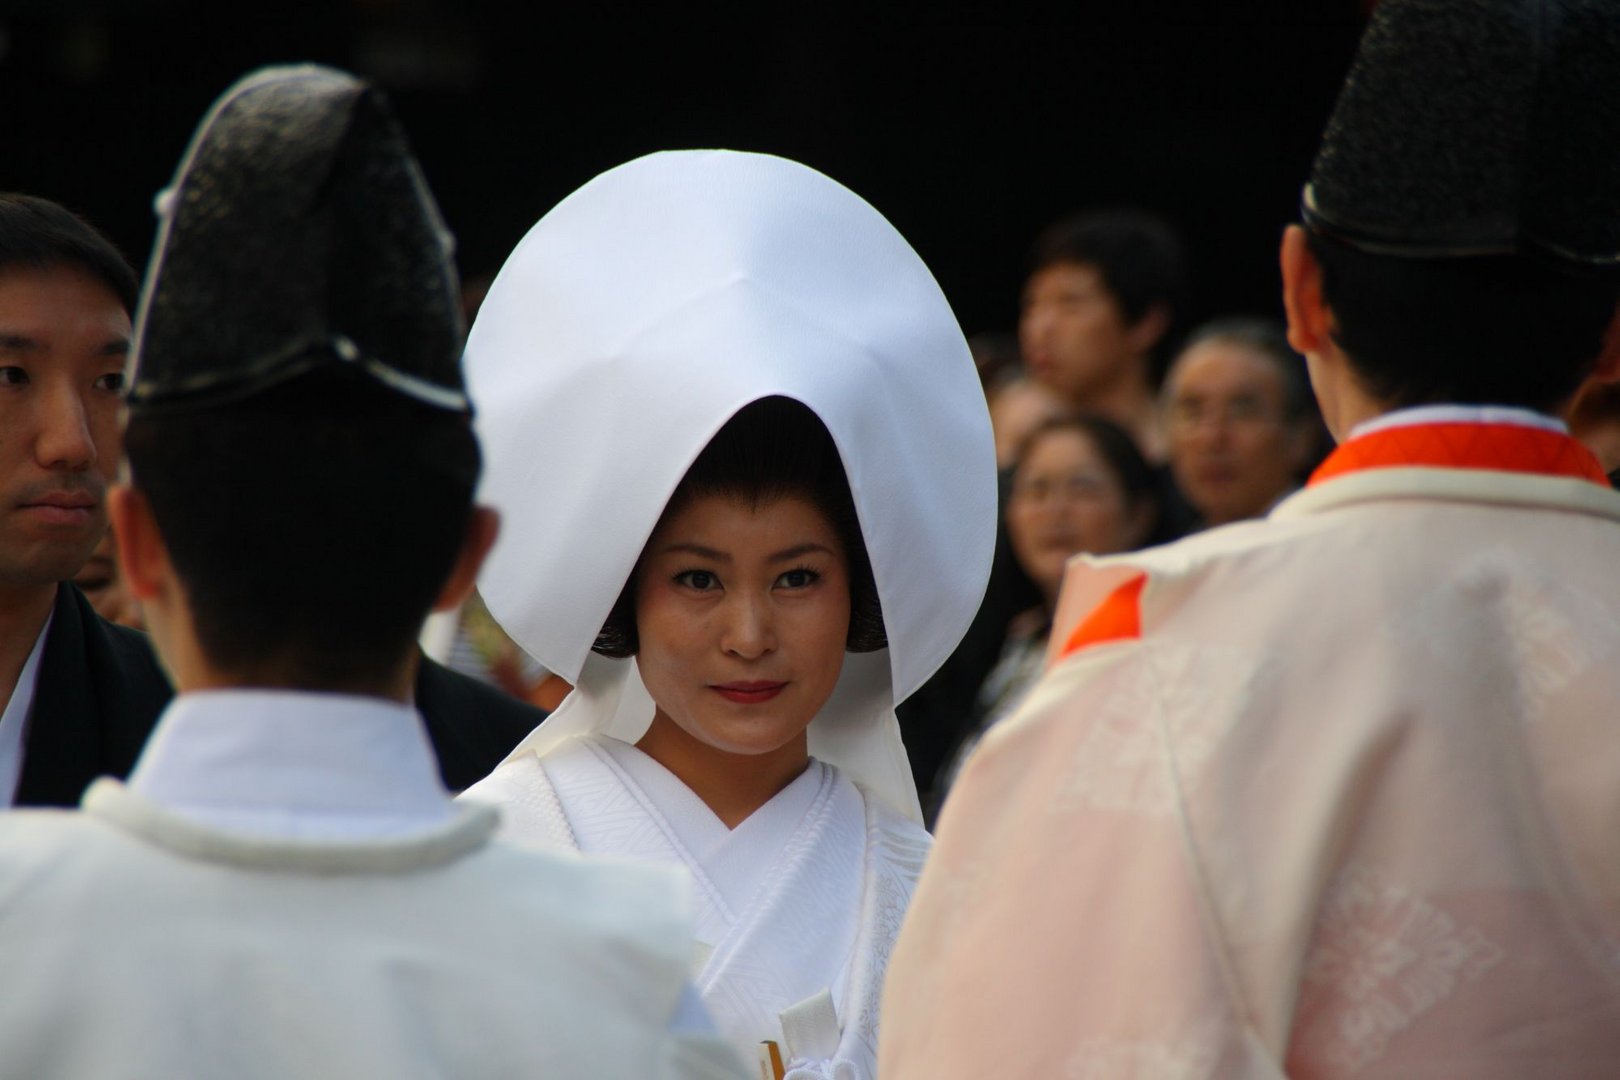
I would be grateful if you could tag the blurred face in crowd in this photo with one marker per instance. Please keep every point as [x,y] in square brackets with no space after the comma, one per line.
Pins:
[742,611]
[63,339]
[1016,409]
[1234,450]
[1073,335]
[1065,499]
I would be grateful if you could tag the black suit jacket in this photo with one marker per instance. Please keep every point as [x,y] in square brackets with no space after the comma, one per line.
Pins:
[100,691]
[97,695]
[472,725]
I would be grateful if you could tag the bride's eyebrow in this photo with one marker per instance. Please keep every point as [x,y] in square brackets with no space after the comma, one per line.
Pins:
[799,551]
[695,549]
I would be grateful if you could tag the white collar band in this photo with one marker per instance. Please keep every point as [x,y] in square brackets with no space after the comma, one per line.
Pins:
[1459,414]
[293,765]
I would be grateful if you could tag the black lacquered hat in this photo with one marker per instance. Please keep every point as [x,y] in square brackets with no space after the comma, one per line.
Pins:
[1477,127]
[298,233]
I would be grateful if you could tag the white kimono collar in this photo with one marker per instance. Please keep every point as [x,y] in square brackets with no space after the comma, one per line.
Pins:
[1459,414]
[294,765]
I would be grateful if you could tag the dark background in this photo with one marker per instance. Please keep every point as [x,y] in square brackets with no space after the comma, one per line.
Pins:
[969,133]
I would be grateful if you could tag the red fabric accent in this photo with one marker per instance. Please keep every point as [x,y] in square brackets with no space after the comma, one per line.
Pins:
[1498,447]
[1117,618]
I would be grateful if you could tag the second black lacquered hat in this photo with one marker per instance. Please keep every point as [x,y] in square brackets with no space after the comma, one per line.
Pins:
[1477,127]
[298,233]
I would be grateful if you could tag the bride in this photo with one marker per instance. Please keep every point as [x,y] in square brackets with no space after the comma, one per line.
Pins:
[748,493]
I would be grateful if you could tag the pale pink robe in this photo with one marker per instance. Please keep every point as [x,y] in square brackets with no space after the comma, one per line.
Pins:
[1349,807]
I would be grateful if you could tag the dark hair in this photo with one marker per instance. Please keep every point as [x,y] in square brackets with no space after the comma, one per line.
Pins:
[1485,330]
[313,524]
[771,448]
[1119,452]
[1267,338]
[38,234]
[1138,255]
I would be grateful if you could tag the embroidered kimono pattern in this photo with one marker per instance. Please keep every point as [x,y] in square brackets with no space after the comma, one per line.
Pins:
[810,903]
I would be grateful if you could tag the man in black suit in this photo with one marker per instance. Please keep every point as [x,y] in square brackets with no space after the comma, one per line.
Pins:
[79,695]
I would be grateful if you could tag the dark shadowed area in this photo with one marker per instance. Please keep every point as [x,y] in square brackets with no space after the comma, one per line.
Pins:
[969,134]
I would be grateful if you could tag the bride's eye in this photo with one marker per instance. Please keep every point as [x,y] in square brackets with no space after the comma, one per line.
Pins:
[702,580]
[798,578]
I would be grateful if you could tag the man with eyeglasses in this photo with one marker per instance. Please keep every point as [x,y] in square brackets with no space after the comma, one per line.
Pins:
[1239,419]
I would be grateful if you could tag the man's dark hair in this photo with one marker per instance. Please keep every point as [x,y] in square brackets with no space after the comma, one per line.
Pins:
[1138,255]
[38,234]
[1267,338]
[771,448]
[312,525]
[1485,330]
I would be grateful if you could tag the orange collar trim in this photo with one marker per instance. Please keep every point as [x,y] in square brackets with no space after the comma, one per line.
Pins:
[1117,618]
[1498,447]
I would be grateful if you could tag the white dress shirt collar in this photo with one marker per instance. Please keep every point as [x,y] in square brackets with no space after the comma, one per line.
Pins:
[1460,414]
[294,765]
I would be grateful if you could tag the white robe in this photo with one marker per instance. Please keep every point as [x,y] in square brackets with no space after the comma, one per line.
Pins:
[1347,806]
[284,889]
[803,897]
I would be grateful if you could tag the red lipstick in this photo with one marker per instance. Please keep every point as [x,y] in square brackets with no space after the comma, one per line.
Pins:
[748,693]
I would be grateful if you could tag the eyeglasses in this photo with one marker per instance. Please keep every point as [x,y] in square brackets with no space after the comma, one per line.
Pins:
[1237,412]
[1073,488]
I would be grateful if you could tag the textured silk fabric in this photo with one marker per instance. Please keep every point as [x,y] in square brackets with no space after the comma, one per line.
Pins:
[1345,809]
[820,912]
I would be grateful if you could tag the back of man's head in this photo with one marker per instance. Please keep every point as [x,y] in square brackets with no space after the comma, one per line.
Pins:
[1464,213]
[1489,330]
[298,423]
[312,525]
[37,234]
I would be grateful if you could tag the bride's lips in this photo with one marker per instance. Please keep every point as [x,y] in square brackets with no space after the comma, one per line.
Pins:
[748,693]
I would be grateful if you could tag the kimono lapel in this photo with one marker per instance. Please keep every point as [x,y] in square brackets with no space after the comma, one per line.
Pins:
[98,695]
[610,814]
[796,937]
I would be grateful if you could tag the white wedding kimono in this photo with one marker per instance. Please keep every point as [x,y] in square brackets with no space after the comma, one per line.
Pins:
[802,899]
[1333,794]
[632,322]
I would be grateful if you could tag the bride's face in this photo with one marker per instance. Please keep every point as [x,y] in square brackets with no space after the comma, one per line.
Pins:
[743,614]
